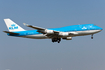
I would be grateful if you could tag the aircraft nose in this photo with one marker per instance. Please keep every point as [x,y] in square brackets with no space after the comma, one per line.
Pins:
[99,28]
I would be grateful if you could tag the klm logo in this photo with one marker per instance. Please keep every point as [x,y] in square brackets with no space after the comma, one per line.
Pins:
[13,26]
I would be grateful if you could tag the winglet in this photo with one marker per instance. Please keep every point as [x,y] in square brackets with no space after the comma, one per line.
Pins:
[25,24]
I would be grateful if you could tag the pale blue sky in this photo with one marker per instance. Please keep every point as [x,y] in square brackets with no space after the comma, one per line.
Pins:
[81,53]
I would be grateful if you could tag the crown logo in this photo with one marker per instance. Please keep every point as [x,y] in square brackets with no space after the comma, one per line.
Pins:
[84,28]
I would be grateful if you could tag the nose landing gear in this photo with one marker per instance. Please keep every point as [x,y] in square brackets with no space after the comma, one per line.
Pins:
[92,36]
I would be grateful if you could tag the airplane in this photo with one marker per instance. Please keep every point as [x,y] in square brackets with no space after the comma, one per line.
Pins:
[55,34]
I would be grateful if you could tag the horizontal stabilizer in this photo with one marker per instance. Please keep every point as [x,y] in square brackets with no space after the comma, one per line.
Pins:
[10,32]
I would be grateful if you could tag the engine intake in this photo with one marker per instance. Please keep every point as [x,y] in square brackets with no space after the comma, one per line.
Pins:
[49,31]
[67,38]
[64,34]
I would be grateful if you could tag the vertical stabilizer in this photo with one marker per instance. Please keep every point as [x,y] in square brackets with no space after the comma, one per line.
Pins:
[12,26]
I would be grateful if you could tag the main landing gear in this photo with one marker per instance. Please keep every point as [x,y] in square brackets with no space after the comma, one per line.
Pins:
[92,36]
[56,40]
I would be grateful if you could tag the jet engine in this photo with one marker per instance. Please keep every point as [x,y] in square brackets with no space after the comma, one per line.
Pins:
[49,31]
[67,38]
[64,34]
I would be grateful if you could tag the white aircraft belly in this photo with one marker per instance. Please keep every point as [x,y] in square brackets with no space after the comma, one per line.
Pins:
[77,33]
[88,32]
[38,36]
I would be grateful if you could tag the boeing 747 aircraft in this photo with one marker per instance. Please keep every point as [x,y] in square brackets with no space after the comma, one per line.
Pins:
[55,34]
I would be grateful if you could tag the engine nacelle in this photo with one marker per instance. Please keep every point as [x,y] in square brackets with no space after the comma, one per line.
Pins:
[49,31]
[67,38]
[64,34]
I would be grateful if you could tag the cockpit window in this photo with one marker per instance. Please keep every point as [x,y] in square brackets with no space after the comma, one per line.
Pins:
[94,25]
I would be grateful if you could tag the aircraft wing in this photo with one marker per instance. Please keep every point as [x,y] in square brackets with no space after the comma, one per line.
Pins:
[35,27]
[49,33]
[40,29]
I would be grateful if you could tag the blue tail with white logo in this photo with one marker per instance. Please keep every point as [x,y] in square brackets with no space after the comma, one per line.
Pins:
[12,26]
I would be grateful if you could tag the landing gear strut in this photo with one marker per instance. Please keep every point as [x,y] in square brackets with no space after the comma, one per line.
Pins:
[56,40]
[92,36]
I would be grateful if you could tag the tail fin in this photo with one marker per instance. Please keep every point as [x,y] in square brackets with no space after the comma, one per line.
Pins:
[12,26]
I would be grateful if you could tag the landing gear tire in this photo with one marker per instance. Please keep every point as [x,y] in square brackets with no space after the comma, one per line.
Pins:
[56,40]
[53,40]
[59,39]
[92,37]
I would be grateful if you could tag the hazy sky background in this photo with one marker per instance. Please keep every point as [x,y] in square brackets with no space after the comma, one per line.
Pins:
[81,53]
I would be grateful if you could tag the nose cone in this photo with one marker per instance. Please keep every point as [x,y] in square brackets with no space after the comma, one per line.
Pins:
[100,28]
[97,28]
